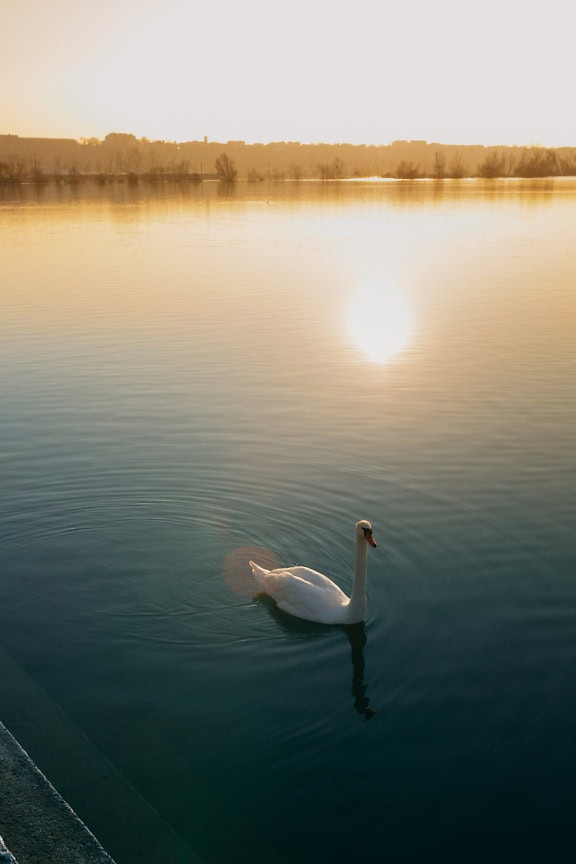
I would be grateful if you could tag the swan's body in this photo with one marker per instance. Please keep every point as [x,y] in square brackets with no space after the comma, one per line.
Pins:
[308,594]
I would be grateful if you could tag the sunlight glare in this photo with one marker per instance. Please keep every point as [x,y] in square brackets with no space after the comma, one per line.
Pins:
[379,321]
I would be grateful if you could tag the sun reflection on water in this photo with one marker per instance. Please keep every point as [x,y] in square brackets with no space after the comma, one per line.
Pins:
[379,321]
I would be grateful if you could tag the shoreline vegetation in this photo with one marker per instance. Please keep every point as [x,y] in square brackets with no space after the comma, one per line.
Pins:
[121,157]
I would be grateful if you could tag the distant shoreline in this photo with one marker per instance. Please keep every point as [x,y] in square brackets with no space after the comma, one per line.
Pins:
[124,157]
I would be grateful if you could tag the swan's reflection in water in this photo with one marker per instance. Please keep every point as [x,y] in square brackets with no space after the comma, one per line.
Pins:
[357,637]
[356,634]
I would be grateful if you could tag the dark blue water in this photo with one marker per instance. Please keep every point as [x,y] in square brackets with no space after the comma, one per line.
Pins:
[186,383]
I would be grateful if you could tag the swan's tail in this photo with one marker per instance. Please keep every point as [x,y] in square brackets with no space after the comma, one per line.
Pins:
[259,573]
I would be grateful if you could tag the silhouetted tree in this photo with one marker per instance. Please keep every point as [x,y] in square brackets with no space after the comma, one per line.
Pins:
[537,162]
[333,170]
[225,168]
[133,159]
[456,169]
[153,161]
[567,165]
[407,170]
[337,169]
[494,165]
[37,174]
[181,170]
[12,172]
[294,171]
[119,139]
[439,167]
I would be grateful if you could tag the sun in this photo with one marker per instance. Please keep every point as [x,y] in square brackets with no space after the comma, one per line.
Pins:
[379,321]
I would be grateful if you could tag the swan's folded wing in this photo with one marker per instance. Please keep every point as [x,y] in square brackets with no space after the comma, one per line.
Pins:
[303,598]
[314,578]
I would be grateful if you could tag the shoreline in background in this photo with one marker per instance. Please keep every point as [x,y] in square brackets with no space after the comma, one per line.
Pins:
[121,155]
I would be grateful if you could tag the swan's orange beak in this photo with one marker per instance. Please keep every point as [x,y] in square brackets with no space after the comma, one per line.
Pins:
[370,539]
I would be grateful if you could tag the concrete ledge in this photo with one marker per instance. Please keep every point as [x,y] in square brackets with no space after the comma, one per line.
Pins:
[35,820]
[126,825]
[6,856]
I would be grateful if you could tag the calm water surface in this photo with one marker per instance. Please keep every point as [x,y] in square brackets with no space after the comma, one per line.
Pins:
[193,377]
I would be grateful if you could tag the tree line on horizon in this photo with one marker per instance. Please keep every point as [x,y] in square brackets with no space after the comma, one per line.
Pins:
[123,156]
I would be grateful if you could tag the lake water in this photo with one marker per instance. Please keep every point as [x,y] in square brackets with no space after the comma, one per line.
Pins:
[191,377]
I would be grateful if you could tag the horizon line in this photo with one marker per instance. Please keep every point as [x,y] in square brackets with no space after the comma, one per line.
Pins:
[247,143]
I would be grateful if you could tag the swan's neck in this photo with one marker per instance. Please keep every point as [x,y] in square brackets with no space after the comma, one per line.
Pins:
[357,606]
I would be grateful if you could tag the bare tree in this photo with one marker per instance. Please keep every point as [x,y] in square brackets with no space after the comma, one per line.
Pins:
[494,165]
[226,169]
[439,166]
[567,164]
[133,159]
[37,173]
[407,170]
[331,170]
[337,169]
[12,172]
[457,169]
[152,160]
[294,171]
[537,162]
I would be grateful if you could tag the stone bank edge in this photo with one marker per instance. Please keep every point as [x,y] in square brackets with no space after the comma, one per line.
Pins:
[38,824]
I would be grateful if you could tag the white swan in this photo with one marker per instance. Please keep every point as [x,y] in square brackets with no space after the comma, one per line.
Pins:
[308,594]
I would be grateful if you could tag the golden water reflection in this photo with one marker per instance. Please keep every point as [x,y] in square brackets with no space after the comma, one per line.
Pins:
[379,320]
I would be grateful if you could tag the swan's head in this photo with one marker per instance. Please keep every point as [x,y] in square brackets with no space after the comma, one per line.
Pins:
[364,531]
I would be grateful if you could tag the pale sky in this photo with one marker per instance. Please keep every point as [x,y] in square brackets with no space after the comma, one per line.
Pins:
[368,71]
